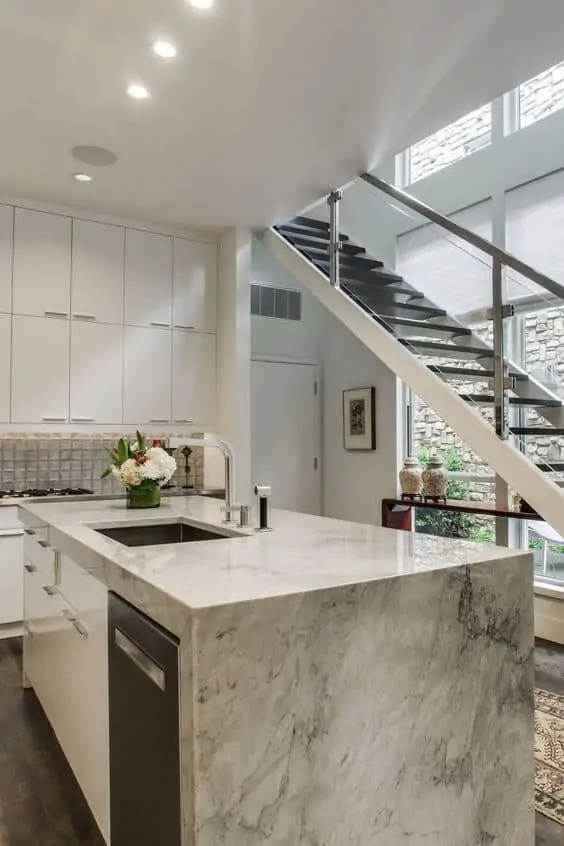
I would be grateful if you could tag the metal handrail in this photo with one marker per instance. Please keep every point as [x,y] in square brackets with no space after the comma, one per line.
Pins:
[466,235]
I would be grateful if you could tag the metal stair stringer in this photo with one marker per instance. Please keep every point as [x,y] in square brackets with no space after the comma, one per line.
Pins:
[514,467]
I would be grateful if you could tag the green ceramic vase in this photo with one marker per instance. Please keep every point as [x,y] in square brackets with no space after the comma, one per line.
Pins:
[143,497]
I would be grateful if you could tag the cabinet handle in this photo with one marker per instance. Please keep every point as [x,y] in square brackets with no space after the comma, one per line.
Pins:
[29,531]
[44,544]
[73,619]
[79,316]
[160,323]
[159,420]
[139,657]
[30,568]
[47,419]
[27,630]
[82,419]
[183,420]
[59,314]
[50,590]
[182,326]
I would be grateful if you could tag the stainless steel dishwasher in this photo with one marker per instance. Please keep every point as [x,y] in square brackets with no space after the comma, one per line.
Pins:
[145,801]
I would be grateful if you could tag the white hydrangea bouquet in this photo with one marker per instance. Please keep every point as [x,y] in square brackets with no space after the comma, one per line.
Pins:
[142,470]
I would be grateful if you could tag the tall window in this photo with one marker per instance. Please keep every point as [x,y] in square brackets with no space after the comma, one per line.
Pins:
[456,141]
[541,96]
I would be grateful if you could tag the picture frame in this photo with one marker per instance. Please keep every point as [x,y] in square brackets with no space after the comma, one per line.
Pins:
[359,419]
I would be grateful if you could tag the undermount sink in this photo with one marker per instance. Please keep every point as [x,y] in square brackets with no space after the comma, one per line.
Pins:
[155,534]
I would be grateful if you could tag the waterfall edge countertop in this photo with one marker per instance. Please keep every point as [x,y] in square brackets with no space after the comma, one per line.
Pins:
[303,552]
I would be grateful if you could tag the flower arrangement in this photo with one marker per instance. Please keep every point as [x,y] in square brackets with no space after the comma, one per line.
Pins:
[141,469]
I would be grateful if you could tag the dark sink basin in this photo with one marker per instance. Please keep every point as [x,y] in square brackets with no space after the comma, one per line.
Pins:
[159,533]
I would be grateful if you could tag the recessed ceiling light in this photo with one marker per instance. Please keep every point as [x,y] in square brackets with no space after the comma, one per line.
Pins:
[164,49]
[138,92]
[82,177]
[91,155]
[201,4]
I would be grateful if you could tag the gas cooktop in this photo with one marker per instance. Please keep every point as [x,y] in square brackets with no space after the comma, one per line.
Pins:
[33,492]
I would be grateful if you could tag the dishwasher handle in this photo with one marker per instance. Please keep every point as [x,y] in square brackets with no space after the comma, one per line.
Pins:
[140,658]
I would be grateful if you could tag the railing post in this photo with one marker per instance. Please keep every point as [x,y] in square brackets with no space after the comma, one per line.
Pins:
[333,201]
[500,396]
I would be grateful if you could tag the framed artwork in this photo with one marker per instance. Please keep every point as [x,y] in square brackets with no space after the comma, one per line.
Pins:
[359,418]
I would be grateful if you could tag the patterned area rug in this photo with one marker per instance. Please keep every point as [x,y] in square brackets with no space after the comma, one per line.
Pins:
[549,754]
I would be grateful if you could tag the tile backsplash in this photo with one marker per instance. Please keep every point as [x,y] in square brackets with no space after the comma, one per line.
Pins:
[71,461]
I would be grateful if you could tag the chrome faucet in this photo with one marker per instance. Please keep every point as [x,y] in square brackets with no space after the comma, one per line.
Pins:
[229,468]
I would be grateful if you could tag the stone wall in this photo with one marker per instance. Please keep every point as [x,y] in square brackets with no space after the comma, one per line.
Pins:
[544,343]
[542,95]
[454,142]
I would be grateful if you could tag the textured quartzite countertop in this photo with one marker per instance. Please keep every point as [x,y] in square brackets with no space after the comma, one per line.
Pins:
[303,552]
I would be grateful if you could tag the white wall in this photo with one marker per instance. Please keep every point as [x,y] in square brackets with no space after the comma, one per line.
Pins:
[352,483]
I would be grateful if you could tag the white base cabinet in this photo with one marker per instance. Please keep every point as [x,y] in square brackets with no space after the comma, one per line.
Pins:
[66,663]
[11,570]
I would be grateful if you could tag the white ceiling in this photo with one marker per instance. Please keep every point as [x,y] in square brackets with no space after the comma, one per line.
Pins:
[269,104]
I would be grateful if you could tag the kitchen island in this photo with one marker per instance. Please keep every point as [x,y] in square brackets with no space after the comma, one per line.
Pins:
[338,683]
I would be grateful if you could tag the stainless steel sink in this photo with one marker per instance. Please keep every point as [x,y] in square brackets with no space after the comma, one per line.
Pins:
[155,534]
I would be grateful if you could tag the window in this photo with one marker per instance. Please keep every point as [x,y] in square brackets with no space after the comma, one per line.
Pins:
[541,96]
[456,141]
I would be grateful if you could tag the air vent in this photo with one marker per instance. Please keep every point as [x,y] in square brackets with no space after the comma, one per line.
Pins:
[280,303]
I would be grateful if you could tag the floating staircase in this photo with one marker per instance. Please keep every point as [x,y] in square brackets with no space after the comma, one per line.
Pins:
[452,352]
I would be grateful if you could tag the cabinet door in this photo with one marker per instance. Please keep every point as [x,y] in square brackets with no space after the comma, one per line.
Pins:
[193,378]
[5,345]
[6,246]
[148,279]
[11,576]
[147,376]
[96,374]
[194,285]
[97,271]
[40,368]
[42,246]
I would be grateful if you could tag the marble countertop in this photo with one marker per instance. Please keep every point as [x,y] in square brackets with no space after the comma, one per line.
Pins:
[303,552]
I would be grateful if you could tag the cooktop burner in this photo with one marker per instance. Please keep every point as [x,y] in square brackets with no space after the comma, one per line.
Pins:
[31,492]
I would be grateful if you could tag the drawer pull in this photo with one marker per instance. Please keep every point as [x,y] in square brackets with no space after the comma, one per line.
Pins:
[44,544]
[78,316]
[30,568]
[29,531]
[50,590]
[47,419]
[140,658]
[73,619]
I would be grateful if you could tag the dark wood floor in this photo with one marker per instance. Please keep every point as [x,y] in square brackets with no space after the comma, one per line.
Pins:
[41,804]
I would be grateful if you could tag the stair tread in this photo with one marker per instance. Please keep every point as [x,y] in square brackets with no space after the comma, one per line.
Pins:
[373,276]
[425,325]
[547,431]
[472,372]
[533,402]
[346,262]
[306,231]
[309,223]
[312,245]
[400,309]
[449,350]
[551,466]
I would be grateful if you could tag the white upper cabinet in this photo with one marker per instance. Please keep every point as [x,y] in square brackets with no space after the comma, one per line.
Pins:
[148,279]
[97,271]
[5,343]
[193,378]
[194,285]
[40,370]
[42,261]
[6,244]
[147,376]
[96,374]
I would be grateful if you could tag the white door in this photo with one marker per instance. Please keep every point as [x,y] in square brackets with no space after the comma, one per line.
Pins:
[148,279]
[96,377]
[193,378]
[194,285]
[147,376]
[285,434]
[40,370]
[97,271]
[42,262]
